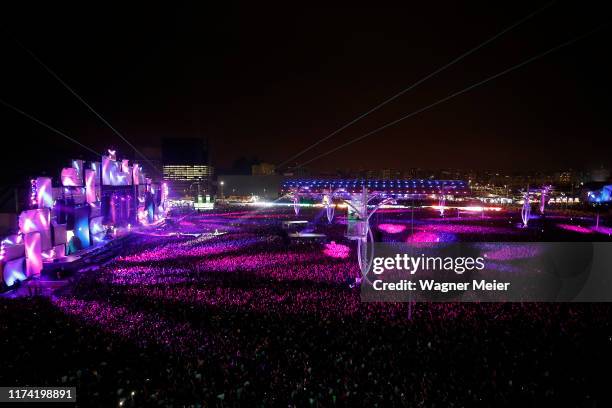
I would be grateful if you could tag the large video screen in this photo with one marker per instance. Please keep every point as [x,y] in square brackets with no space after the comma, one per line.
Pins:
[90,186]
[70,177]
[81,225]
[44,192]
[113,174]
[37,221]
[78,166]
[33,251]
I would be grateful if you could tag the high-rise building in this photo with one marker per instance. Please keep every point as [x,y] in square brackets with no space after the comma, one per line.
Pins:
[186,167]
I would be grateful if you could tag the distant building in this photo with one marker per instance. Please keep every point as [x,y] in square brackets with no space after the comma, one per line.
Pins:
[263,169]
[186,168]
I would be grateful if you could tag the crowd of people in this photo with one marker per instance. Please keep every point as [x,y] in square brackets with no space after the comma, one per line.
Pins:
[247,319]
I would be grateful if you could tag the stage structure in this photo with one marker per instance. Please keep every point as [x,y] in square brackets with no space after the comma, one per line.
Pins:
[329,206]
[526,209]
[601,196]
[297,194]
[397,188]
[91,202]
[296,203]
[544,197]
[360,206]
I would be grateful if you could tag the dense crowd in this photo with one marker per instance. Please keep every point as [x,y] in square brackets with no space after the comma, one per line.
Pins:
[249,319]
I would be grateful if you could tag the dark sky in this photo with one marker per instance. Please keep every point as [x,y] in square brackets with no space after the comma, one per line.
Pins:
[268,81]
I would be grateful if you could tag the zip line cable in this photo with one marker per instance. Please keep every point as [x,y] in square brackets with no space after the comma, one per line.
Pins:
[453,95]
[420,81]
[40,122]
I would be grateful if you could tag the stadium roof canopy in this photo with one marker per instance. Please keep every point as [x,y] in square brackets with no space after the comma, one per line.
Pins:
[392,186]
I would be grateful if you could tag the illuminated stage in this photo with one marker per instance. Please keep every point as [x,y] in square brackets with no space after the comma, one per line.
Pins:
[68,223]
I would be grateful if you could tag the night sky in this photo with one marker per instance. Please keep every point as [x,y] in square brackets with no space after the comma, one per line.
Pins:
[269,81]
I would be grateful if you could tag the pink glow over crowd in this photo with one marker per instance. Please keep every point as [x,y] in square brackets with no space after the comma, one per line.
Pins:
[249,319]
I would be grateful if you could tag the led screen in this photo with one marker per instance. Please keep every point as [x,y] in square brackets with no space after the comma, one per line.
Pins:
[95,167]
[14,271]
[33,252]
[78,166]
[70,177]
[96,229]
[136,174]
[37,221]
[44,192]
[13,247]
[81,225]
[112,174]
[90,186]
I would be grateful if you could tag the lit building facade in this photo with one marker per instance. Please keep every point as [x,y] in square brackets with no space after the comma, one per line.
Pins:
[188,180]
[186,168]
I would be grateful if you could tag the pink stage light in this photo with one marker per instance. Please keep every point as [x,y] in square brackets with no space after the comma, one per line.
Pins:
[575,228]
[337,251]
[423,237]
[392,228]
[603,230]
